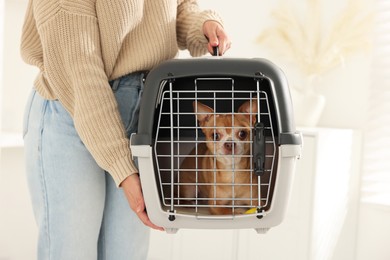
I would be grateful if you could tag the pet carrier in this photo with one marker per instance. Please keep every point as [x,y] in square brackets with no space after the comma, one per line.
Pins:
[216,144]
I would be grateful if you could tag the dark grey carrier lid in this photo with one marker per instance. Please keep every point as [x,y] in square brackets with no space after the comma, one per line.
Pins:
[256,68]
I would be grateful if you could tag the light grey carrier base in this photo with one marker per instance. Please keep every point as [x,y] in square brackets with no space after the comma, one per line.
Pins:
[288,154]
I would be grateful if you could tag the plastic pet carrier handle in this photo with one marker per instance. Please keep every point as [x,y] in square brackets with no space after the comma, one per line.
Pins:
[215,51]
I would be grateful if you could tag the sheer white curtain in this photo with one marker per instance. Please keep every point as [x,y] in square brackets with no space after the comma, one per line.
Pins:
[376,158]
[2,15]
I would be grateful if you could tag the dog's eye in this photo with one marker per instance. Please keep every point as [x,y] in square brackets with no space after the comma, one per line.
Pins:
[242,134]
[216,136]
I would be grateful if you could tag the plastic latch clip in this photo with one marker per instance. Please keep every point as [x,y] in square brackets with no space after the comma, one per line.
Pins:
[259,149]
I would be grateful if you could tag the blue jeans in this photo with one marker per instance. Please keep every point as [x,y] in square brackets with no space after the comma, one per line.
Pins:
[80,212]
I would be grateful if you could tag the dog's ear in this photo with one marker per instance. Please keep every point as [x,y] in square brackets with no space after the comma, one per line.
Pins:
[249,107]
[202,112]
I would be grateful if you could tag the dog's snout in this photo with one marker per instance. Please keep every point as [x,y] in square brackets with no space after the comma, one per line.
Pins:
[229,146]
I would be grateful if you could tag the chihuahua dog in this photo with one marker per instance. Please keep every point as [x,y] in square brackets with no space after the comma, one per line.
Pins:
[217,171]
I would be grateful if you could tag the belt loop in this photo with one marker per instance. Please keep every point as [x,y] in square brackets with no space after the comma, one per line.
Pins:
[143,75]
[115,84]
[142,80]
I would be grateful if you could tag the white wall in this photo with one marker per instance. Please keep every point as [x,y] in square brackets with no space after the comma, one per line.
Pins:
[374,232]
[2,20]
[17,76]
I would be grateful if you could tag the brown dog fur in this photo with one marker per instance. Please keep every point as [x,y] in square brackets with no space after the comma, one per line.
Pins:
[227,155]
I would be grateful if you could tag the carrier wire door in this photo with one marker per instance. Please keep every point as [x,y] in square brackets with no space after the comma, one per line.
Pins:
[217,145]
[178,117]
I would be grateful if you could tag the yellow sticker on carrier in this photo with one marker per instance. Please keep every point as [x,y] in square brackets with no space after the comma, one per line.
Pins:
[251,211]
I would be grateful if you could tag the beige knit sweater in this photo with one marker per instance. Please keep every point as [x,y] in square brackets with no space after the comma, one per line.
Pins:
[80,45]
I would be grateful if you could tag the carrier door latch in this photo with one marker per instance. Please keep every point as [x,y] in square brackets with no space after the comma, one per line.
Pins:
[259,149]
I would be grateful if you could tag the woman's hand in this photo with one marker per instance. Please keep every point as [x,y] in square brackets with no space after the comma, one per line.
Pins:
[216,36]
[132,188]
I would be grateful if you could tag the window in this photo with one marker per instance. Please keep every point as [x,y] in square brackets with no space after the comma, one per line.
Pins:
[376,156]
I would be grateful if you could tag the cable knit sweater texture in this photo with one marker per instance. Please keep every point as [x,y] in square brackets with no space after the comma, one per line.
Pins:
[79,46]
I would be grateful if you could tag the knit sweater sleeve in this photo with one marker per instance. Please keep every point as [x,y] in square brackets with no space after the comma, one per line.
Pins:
[190,21]
[75,71]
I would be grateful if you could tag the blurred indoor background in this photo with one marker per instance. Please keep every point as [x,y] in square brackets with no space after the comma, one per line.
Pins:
[336,56]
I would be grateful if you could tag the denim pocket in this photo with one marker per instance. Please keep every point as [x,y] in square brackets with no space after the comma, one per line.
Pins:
[133,125]
[127,98]
[27,110]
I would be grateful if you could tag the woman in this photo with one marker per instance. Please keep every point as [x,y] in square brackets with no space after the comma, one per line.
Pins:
[91,56]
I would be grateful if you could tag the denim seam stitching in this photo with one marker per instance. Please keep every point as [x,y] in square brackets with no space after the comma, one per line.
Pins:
[27,122]
[103,237]
[43,181]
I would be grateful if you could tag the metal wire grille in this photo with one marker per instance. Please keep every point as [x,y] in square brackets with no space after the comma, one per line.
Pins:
[204,151]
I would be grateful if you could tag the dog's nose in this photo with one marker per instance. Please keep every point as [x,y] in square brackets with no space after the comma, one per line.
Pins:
[229,146]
